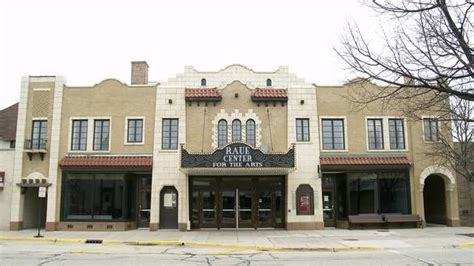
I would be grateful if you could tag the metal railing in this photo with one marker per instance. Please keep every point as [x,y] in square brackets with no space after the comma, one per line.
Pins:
[35,144]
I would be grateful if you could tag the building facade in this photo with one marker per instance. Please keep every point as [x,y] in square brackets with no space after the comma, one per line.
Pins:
[8,118]
[234,148]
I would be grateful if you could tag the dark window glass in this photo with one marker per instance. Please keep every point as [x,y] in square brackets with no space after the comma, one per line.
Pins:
[333,134]
[430,128]
[101,135]
[222,133]
[203,82]
[12,144]
[236,130]
[79,135]
[250,132]
[385,192]
[302,129]
[393,191]
[375,131]
[98,197]
[362,192]
[397,134]
[39,134]
[135,131]
[170,134]
[269,82]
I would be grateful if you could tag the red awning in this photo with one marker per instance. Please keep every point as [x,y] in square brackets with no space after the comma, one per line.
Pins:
[203,94]
[92,161]
[261,93]
[364,160]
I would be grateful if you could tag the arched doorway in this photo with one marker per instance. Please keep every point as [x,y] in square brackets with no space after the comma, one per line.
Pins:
[169,208]
[434,198]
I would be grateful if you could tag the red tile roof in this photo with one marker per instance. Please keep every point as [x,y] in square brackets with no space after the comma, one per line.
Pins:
[106,162]
[8,119]
[365,160]
[202,93]
[267,93]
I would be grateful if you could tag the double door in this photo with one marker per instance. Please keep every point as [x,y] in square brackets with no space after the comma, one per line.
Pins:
[242,204]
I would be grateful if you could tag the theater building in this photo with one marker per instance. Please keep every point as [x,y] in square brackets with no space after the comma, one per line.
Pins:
[234,148]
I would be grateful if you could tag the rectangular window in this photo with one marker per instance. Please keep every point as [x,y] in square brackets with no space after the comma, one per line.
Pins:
[169,140]
[101,135]
[98,197]
[431,127]
[79,135]
[333,134]
[135,131]
[397,134]
[383,192]
[38,134]
[302,129]
[375,132]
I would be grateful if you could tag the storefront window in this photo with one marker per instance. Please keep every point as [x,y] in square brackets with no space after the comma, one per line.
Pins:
[393,193]
[384,192]
[97,197]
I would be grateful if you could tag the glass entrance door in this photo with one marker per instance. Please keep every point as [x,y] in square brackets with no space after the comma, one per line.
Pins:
[245,208]
[144,200]
[265,214]
[328,208]
[228,204]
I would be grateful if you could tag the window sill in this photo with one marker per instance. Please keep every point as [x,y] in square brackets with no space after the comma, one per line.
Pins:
[167,151]
[134,143]
[329,151]
[388,151]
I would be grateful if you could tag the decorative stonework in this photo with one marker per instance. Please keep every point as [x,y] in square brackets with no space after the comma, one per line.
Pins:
[437,170]
[236,114]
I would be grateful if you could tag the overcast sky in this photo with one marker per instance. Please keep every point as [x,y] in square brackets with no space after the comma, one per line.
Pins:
[88,41]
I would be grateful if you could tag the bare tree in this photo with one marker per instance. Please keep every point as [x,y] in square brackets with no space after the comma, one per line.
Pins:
[425,63]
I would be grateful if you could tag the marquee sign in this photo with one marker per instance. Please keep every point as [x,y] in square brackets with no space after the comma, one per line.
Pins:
[238,155]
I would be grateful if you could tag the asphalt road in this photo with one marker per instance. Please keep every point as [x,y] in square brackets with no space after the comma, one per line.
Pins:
[42,253]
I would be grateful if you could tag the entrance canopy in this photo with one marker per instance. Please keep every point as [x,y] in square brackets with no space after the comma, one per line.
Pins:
[237,159]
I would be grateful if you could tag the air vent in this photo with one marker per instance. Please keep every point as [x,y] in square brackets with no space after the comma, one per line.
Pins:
[110,226]
[93,241]
[90,226]
[70,226]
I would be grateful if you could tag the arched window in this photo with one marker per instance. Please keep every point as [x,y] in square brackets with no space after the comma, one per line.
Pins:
[222,133]
[269,82]
[236,130]
[250,132]
[203,82]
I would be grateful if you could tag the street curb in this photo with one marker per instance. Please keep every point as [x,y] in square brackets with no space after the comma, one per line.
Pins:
[466,245]
[199,244]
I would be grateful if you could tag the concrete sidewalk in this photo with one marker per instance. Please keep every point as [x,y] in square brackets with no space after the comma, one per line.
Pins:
[316,240]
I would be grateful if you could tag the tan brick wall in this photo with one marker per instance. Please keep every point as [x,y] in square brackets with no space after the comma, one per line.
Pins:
[200,117]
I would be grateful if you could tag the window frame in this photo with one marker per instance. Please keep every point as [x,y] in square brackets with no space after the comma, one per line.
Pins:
[203,82]
[169,136]
[382,132]
[102,132]
[302,140]
[126,140]
[423,118]
[386,134]
[254,135]
[71,135]
[41,120]
[269,82]
[345,132]
[234,130]
[226,133]
[89,134]
[396,136]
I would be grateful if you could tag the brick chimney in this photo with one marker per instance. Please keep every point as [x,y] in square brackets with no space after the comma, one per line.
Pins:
[139,72]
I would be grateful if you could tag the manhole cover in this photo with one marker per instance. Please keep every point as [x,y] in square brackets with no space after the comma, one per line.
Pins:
[351,239]
[469,235]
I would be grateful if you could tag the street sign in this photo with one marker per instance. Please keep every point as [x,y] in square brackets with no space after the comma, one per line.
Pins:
[42,192]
